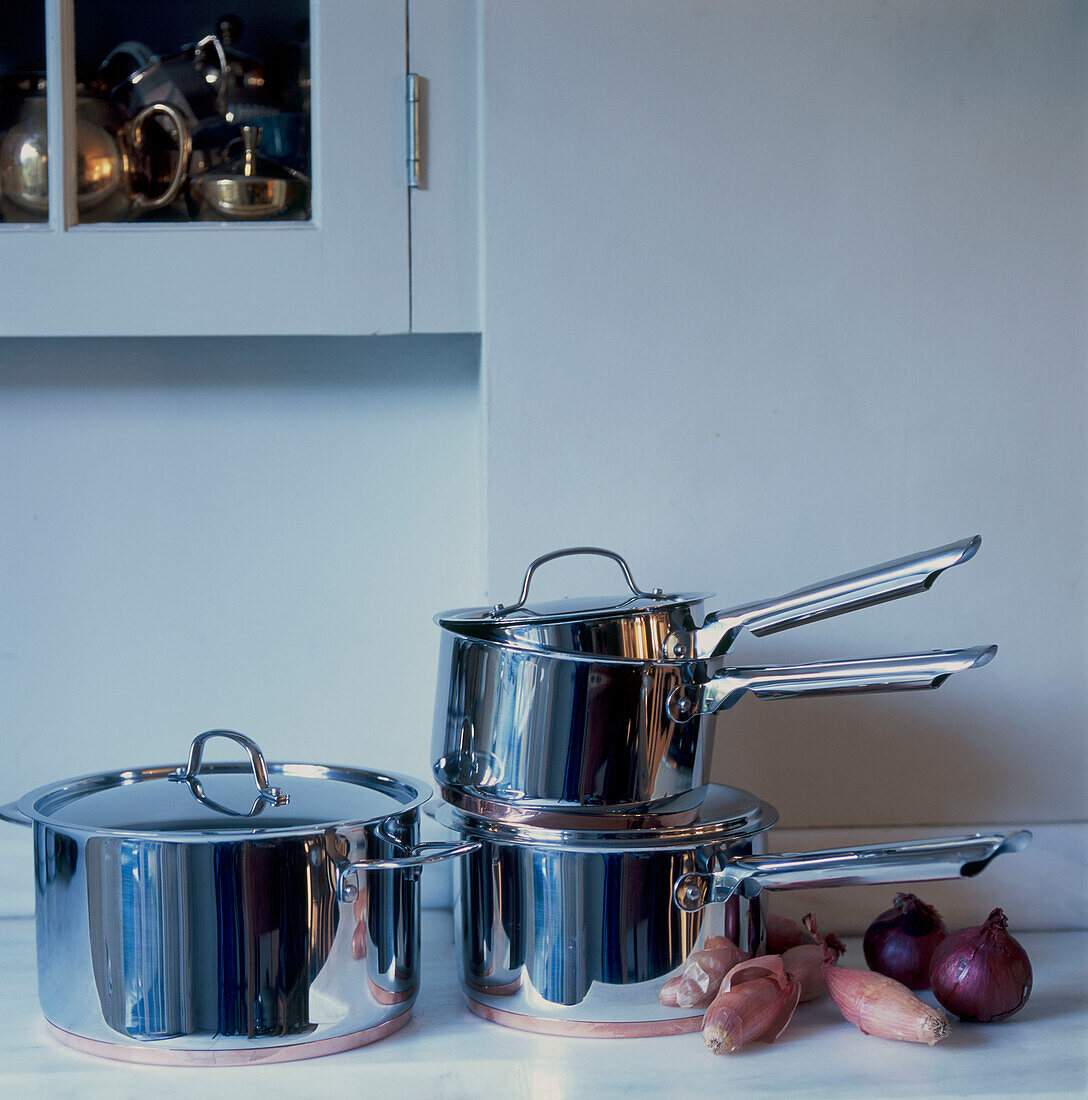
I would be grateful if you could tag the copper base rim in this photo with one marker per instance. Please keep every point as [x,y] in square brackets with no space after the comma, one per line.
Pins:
[508,989]
[587,1029]
[239,1056]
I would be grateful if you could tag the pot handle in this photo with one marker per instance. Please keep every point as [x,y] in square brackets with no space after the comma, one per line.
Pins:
[14,815]
[864,588]
[910,671]
[907,861]
[140,202]
[499,609]
[431,851]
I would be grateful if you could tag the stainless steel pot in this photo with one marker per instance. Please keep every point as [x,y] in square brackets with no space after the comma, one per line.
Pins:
[201,915]
[554,731]
[575,931]
[660,626]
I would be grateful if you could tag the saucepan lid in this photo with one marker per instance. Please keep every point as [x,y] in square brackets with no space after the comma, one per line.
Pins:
[540,613]
[656,625]
[200,800]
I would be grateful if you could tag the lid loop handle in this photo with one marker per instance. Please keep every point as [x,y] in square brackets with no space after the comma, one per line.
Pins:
[266,793]
[569,551]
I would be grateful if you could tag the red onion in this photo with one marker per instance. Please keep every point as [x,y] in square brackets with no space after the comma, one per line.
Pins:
[901,941]
[981,974]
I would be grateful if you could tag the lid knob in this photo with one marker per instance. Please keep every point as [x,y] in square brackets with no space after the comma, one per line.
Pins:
[267,795]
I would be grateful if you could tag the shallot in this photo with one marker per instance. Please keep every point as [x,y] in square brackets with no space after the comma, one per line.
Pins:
[783,933]
[756,1001]
[804,963]
[982,974]
[901,941]
[699,981]
[878,1005]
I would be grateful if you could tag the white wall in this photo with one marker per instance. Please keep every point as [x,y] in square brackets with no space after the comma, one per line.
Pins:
[239,533]
[769,291]
[773,291]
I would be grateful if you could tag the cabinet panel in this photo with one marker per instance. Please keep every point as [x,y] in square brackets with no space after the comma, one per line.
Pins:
[345,271]
[442,48]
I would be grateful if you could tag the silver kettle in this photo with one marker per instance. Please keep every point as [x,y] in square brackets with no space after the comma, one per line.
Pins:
[109,149]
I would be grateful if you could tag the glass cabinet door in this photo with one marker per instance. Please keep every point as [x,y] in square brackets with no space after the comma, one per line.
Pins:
[189,112]
[212,169]
[24,179]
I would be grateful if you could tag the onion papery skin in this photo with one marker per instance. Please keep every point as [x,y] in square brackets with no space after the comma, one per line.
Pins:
[900,943]
[783,933]
[981,974]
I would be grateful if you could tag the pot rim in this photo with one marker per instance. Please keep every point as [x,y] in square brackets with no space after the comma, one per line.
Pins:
[722,817]
[563,656]
[589,609]
[414,792]
[678,809]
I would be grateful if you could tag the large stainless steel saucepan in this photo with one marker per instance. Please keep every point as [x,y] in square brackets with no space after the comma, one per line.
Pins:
[662,626]
[555,731]
[575,931]
[201,915]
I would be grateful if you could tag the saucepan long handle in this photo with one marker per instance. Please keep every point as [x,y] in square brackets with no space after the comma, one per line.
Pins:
[876,584]
[906,861]
[907,672]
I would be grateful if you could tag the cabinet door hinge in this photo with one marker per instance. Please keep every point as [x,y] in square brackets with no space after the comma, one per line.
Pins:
[415,149]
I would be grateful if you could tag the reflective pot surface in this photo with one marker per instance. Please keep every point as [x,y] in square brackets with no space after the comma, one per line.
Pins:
[541,728]
[564,941]
[223,945]
[565,731]
[575,932]
[232,928]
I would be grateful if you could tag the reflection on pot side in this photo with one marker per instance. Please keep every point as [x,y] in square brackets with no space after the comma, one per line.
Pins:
[259,917]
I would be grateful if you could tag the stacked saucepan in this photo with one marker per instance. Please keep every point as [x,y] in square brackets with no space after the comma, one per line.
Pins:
[572,742]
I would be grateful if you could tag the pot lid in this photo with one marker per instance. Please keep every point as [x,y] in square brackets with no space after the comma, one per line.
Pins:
[223,798]
[726,813]
[570,609]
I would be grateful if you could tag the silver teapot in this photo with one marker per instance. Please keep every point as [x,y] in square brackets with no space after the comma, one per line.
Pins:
[109,150]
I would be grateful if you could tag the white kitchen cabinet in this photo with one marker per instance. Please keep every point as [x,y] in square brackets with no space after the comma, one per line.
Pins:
[346,270]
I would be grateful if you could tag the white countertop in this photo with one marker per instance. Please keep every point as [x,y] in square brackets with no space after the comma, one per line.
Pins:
[446,1052]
